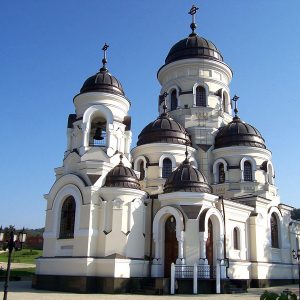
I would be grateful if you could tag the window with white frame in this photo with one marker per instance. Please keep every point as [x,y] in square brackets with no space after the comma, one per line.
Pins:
[248,171]
[166,168]
[236,239]
[67,218]
[274,231]
[200,96]
[174,100]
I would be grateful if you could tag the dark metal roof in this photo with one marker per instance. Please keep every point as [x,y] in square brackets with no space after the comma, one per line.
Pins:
[103,81]
[164,130]
[239,133]
[187,178]
[121,176]
[193,46]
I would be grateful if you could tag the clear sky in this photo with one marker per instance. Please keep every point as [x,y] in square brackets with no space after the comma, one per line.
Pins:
[48,48]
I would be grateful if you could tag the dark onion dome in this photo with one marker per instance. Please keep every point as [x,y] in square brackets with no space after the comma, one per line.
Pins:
[188,179]
[164,130]
[239,133]
[122,177]
[194,46]
[103,81]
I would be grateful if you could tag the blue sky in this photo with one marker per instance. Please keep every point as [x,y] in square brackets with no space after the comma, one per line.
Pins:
[48,48]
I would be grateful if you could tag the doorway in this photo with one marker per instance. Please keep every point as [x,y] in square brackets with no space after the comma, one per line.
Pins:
[210,243]
[171,245]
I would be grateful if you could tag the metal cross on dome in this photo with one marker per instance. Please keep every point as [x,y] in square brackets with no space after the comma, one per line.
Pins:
[104,60]
[193,12]
[235,99]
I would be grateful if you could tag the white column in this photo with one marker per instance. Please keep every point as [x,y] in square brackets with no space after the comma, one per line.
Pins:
[195,279]
[172,279]
[218,278]
[180,240]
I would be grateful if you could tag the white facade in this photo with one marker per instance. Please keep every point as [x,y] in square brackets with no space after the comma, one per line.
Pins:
[120,232]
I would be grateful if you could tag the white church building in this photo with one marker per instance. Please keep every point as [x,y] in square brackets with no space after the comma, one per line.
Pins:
[197,192]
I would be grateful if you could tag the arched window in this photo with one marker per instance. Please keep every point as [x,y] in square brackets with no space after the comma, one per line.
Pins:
[274,231]
[167,168]
[247,171]
[221,173]
[174,101]
[200,96]
[67,219]
[142,170]
[236,242]
[98,132]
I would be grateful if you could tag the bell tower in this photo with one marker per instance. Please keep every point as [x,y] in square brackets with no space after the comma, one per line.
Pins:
[101,122]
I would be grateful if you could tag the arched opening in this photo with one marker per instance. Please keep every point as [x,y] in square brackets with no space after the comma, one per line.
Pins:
[142,170]
[274,231]
[174,100]
[210,243]
[171,245]
[221,173]
[67,218]
[270,174]
[166,168]
[98,132]
[200,96]
[247,171]
[236,239]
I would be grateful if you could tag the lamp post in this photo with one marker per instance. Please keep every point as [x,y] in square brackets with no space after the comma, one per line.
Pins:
[14,240]
[296,255]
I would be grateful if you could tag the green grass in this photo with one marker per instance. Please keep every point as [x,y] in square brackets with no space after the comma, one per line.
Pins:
[26,256]
[26,272]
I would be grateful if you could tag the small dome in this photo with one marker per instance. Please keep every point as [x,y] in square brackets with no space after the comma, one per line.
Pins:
[193,46]
[103,81]
[188,179]
[239,133]
[164,130]
[122,177]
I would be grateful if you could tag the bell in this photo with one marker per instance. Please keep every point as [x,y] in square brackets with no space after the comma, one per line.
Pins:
[98,134]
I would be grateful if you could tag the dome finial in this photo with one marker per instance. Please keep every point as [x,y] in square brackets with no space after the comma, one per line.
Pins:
[186,149]
[164,96]
[104,60]
[121,157]
[235,99]
[193,12]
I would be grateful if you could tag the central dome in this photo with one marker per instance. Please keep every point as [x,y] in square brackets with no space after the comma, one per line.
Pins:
[164,130]
[194,46]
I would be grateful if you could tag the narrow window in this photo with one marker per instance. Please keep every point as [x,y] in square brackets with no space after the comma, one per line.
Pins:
[224,102]
[174,101]
[247,171]
[142,170]
[67,219]
[200,96]
[221,173]
[236,245]
[167,168]
[274,231]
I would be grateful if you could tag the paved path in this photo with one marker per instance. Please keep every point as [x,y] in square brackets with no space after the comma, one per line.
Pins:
[22,290]
[16,265]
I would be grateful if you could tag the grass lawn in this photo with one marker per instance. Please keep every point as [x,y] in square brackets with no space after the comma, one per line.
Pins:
[25,256]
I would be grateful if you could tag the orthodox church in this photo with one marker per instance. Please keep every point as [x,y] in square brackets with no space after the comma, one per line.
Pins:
[197,191]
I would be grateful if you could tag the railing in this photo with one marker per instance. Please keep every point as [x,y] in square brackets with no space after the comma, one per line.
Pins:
[98,143]
[196,272]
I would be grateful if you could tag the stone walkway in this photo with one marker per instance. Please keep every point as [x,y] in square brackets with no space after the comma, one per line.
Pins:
[22,290]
